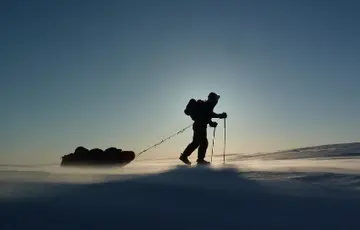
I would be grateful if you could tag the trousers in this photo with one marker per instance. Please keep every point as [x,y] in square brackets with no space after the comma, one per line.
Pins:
[199,141]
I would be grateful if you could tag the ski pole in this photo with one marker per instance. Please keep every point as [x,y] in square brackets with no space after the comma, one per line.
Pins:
[213,143]
[224,141]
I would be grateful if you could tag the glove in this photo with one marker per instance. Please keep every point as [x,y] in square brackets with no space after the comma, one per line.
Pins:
[213,124]
[223,115]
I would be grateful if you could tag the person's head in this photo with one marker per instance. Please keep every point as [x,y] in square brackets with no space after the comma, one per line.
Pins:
[213,98]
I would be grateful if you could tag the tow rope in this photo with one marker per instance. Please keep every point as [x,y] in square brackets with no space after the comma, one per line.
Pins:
[163,140]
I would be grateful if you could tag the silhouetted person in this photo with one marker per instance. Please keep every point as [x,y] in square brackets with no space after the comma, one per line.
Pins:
[202,113]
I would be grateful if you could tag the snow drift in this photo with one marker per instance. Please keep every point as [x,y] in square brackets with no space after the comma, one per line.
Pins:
[161,195]
[195,198]
[343,150]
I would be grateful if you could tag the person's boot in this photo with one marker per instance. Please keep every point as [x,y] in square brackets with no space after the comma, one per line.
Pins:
[185,159]
[202,162]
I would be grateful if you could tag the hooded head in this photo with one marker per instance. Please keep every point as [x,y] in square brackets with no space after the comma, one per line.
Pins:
[213,98]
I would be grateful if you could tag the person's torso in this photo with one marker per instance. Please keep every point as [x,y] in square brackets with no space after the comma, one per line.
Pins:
[204,112]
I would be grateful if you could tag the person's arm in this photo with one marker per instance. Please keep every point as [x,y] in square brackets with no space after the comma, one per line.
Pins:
[213,123]
[215,115]
[210,122]
[221,115]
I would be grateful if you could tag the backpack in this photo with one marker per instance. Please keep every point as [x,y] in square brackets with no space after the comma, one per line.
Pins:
[192,108]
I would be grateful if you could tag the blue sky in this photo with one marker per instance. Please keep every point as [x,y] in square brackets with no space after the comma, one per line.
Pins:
[119,73]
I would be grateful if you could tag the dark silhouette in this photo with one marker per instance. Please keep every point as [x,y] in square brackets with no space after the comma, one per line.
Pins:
[111,156]
[201,112]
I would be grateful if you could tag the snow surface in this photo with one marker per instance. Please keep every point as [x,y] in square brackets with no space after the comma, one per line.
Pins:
[309,188]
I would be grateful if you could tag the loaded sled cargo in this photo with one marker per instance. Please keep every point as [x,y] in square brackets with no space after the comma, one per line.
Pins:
[97,157]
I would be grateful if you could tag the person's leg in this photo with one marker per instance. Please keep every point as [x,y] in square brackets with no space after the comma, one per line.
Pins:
[190,148]
[201,136]
[202,149]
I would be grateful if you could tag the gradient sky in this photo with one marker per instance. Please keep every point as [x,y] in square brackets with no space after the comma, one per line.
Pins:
[119,73]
